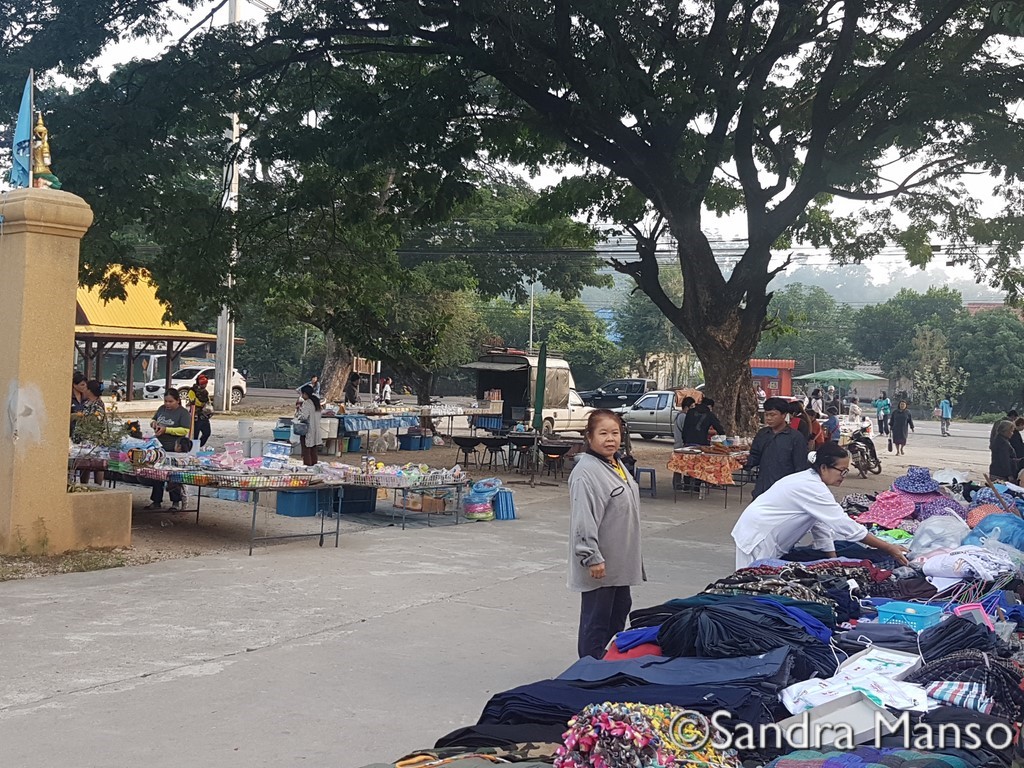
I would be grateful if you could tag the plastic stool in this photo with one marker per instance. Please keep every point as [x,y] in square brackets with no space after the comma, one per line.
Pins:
[653,488]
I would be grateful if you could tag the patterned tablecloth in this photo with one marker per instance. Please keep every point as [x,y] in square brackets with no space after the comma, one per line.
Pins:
[351,423]
[709,467]
[481,421]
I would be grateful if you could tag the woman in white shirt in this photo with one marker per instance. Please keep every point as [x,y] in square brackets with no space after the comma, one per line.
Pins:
[800,504]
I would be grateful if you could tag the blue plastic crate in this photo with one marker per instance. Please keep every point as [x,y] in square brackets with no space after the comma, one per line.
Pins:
[355,444]
[297,503]
[917,617]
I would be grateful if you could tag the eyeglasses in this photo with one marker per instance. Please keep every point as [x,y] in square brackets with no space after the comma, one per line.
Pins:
[842,472]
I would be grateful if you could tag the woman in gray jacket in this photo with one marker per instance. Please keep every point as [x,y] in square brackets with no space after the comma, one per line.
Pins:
[605,559]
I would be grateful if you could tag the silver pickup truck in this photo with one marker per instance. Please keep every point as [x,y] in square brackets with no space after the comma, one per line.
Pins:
[651,416]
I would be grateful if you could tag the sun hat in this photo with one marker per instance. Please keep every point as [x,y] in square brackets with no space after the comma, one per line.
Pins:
[888,510]
[979,513]
[917,480]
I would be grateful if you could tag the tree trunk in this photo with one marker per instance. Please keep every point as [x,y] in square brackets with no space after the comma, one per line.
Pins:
[337,367]
[424,382]
[721,319]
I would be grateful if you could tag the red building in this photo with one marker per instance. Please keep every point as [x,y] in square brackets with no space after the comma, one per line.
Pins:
[775,376]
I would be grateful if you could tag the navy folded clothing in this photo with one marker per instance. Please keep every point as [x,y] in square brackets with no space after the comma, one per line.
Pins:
[895,637]
[745,627]
[772,669]
[659,614]
[556,701]
[503,735]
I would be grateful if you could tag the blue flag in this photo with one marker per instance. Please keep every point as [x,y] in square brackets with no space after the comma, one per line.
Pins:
[22,150]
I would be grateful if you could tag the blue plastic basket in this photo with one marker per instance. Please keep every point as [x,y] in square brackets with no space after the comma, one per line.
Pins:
[913,615]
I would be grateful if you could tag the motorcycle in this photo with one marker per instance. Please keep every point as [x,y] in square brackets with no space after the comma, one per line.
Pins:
[118,389]
[863,455]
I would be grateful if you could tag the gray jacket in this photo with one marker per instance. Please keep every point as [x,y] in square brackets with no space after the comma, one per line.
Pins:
[604,526]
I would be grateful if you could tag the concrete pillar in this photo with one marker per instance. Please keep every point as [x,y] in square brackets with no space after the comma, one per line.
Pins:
[39,243]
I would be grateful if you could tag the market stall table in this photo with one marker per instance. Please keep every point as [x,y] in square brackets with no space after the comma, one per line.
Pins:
[360,423]
[716,469]
[253,484]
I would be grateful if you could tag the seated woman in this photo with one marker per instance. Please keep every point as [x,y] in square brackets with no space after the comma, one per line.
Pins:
[800,504]
[171,424]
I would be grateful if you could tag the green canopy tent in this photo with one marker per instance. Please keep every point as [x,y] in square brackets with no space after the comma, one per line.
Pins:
[838,376]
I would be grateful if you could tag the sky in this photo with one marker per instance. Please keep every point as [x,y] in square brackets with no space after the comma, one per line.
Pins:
[883,270]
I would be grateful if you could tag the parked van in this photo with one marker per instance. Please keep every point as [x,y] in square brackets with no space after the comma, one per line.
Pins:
[514,372]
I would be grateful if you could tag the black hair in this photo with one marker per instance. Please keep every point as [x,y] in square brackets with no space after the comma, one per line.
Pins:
[833,411]
[353,376]
[828,455]
[182,445]
[708,402]
[688,402]
[1012,415]
[776,404]
[795,408]
[173,393]
[77,378]
[94,387]
[308,391]
[603,413]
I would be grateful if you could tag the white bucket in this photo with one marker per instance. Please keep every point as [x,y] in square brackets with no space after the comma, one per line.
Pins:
[246,429]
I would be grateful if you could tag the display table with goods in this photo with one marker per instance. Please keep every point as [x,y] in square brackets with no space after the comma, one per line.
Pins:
[721,464]
[230,476]
[803,662]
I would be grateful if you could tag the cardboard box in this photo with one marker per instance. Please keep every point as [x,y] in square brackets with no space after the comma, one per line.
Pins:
[853,714]
[897,665]
[413,502]
[435,505]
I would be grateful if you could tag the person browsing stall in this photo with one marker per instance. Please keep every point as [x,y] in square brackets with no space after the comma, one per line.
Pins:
[699,423]
[171,424]
[799,504]
[309,414]
[94,409]
[1004,464]
[78,400]
[777,450]
[201,410]
[605,557]
[677,435]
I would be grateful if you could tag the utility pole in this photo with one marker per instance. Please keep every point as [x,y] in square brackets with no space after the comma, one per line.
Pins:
[225,324]
[533,286]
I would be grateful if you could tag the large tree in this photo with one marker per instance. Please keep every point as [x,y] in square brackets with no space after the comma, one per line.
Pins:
[775,108]
[990,346]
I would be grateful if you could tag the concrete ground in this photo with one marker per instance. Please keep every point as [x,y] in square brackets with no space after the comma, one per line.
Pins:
[340,657]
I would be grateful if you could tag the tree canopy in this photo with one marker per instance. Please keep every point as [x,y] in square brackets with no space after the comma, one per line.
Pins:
[808,325]
[670,109]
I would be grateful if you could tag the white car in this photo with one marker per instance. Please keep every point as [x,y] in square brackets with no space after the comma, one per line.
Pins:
[183,379]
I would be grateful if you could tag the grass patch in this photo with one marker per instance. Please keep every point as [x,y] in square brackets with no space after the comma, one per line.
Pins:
[25,567]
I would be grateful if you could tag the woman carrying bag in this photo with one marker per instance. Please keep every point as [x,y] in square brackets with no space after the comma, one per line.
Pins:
[307,425]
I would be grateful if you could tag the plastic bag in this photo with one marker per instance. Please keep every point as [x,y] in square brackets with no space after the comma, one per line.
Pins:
[1006,529]
[941,532]
[487,487]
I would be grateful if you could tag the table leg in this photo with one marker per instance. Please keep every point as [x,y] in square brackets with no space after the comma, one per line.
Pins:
[323,515]
[252,531]
[337,525]
[199,501]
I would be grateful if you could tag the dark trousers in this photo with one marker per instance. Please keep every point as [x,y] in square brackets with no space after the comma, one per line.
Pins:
[603,614]
[883,425]
[157,494]
[201,431]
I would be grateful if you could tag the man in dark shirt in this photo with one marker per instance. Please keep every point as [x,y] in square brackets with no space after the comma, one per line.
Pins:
[699,422]
[777,450]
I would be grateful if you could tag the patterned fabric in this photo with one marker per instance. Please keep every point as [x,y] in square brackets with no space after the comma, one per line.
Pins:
[888,510]
[940,507]
[917,480]
[966,695]
[1000,678]
[366,423]
[856,502]
[980,512]
[806,581]
[619,735]
[708,467]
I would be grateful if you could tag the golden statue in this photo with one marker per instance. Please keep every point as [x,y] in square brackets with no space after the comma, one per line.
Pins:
[42,176]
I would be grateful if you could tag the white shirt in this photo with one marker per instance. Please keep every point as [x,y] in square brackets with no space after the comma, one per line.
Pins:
[797,504]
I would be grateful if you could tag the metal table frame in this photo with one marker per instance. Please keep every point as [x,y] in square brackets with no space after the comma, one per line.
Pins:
[458,487]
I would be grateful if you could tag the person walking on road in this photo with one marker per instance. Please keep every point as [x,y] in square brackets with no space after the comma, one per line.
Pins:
[945,414]
[883,409]
[900,422]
